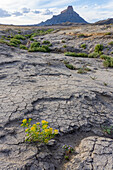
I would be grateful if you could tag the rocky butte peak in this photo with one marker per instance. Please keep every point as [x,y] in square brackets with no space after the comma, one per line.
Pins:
[67,15]
[69,10]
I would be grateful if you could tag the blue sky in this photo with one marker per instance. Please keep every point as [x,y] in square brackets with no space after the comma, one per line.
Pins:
[34,11]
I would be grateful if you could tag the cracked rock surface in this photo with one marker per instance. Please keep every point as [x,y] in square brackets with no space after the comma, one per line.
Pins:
[41,87]
[94,153]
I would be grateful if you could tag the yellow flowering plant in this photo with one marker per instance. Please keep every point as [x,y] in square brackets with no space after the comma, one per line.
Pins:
[39,132]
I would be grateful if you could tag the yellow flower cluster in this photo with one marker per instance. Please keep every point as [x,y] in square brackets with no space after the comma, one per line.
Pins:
[33,128]
[38,132]
[24,121]
[44,122]
[56,131]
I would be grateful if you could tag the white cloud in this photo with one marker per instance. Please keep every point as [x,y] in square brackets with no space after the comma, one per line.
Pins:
[4,13]
[36,11]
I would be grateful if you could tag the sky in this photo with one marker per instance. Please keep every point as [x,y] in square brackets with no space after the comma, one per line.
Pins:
[26,12]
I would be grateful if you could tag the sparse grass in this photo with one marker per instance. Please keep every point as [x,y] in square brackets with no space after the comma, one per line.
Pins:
[66,62]
[105,84]
[93,55]
[46,42]
[64,46]
[23,47]
[108,33]
[63,41]
[4,42]
[111,43]
[93,78]
[41,32]
[81,71]
[87,69]
[73,54]
[108,130]
[70,66]
[15,41]
[31,39]
[81,35]
[83,46]
[108,62]
[105,57]
[39,49]
[99,48]
[49,45]
[35,44]
[20,37]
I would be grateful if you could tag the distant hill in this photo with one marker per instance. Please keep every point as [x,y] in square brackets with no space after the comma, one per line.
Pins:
[68,15]
[107,21]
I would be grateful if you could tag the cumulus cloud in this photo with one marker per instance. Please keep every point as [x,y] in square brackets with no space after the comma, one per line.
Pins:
[36,12]
[4,13]
[47,12]
[17,14]
[25,10]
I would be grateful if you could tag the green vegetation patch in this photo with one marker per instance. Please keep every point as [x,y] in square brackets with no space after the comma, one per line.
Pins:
[46,42]
[4,42]
[20,37]
[35,44]
[111,43]
[15,41]
[73,54]
[83,46]
[108,61]
[23,47]
[39,49]
[93,55]
[99,48]
[81,35]
[70,66]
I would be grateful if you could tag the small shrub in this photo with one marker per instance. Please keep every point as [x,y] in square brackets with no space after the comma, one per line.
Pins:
[108,33]
[81,71]
[105,84]
[108,62]
[23,47]
[108,130]
[81,35]
[66,62]
[35,44]
[82,55]
[39,49]
[70,66]
[28,35]
[64,46]
[99,48]
[104,57]
[20,37]
[87,69]
[39,132]
[93,55]
[111,43]
[31,39]
[46,42]
[49,45]
[93,78]
[4,42]
[66,157]
[83,46]
[63,41]
[15,41]
[76,54]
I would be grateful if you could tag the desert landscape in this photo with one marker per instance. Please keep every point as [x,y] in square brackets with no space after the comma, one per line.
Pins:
[63,75]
